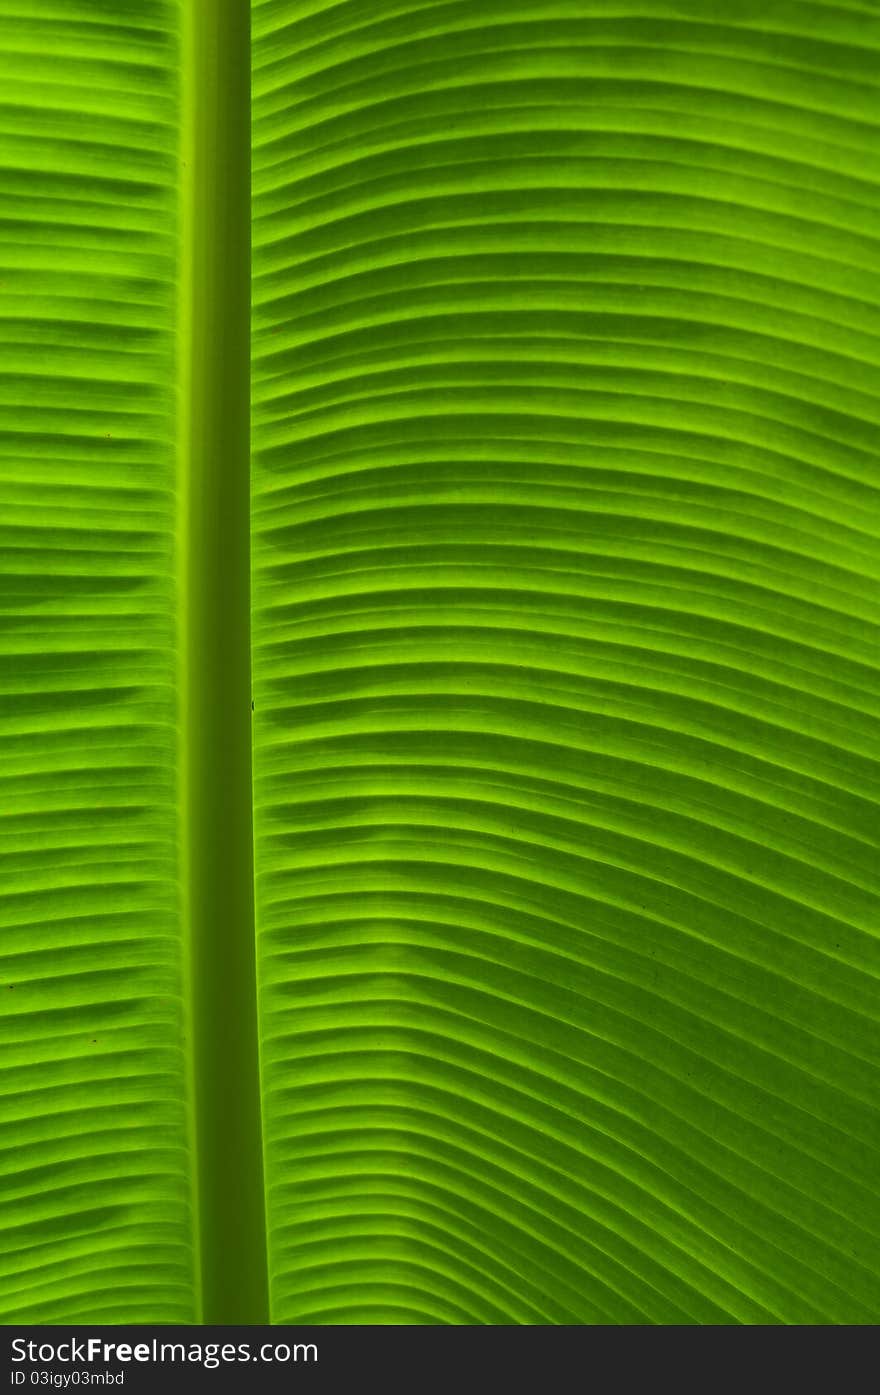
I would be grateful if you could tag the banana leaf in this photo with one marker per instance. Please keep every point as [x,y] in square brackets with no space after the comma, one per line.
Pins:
[438,645]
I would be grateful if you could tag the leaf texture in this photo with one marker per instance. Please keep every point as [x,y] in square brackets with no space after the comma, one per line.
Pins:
[565,404]
[94,1158]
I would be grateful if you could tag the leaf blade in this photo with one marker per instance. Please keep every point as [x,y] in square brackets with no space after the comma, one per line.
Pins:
[96,1152]
[565,534]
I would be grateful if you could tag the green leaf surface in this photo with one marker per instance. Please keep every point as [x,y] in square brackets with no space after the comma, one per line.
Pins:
[565,358]
[95,1163]
[565,528]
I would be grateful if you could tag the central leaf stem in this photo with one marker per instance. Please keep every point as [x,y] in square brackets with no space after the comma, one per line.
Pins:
[217,838]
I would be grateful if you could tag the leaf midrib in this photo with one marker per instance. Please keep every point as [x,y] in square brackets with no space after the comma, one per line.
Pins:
[216,835]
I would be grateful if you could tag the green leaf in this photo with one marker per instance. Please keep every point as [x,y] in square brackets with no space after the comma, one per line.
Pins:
[565,427]
[95,1155]
[561,641]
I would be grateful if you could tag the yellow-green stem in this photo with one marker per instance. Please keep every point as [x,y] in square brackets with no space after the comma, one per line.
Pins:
[217,843]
